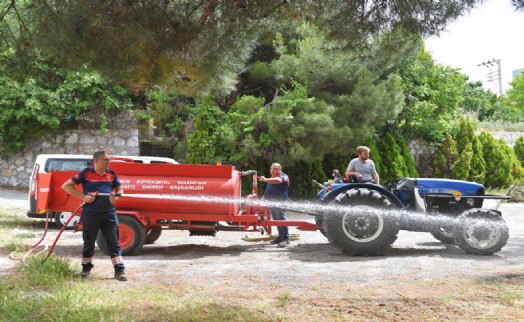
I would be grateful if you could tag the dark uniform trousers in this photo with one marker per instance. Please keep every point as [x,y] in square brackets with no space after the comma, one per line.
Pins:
[107,223]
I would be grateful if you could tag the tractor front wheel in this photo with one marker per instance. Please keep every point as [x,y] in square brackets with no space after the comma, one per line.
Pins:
[481,232]
[444,234]
[131,236]
[364,224]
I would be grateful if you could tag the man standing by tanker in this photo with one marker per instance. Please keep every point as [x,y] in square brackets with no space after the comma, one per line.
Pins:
[362,167]
[277,190]
[98,213]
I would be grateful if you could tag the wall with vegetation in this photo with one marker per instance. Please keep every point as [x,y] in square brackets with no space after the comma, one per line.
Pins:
[16,169]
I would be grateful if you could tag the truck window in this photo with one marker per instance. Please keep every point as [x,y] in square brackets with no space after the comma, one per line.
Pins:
[66,164]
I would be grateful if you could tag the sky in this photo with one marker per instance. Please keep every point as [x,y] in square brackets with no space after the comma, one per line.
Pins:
[492,31]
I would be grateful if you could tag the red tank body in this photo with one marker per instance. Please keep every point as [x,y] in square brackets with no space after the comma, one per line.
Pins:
[166,183]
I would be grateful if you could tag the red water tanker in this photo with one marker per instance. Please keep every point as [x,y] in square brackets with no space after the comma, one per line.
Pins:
[170,196]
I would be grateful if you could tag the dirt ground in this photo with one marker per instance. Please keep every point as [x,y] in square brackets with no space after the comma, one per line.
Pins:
[312,272]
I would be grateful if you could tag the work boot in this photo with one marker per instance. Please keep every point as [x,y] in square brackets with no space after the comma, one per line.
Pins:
[84,273]
[120,276]
[276,241]
[284,243]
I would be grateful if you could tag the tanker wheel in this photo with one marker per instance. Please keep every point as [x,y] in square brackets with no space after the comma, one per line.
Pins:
[481,232]
[364,225]
[444,234]
[132,236]
[152,234]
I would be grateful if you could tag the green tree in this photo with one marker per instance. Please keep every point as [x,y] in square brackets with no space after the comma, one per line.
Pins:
[433,98]
[479,101]
[201,46]
[515,96]
[519,149]
[210,141]
[362,96]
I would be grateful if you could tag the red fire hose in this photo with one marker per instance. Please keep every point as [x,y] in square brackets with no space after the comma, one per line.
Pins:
[43,248]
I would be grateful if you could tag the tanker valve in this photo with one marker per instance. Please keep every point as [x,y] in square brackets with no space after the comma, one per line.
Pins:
[248,172]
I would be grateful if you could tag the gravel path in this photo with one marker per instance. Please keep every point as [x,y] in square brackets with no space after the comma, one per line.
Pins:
[310,266]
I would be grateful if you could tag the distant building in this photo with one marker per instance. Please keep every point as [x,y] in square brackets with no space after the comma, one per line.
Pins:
[517,72]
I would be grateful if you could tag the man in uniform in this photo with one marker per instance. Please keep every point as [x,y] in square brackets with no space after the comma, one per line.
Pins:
[98,213]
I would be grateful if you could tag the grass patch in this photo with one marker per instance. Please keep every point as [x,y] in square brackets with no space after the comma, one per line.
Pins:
[92,300]
[501,126]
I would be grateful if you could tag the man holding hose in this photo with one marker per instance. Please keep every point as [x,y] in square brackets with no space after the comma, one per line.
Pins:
[98,213]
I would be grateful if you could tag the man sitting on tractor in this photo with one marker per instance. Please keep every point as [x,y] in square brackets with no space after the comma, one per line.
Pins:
[362,168]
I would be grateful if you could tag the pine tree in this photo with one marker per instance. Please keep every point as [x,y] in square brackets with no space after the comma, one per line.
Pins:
[465,136]
[445,158]
[374,154]
[516,170]
[462,166]
[439,165]
[411,169]
[394,165]
[498,163]
[478,164]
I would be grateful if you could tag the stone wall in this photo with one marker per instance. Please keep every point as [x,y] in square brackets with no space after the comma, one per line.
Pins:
[509,137]
[15,171]
[422,153]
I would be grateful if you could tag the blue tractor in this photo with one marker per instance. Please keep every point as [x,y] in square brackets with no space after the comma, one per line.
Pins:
[365,218]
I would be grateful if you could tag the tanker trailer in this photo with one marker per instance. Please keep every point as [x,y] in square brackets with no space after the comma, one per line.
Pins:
[202,199]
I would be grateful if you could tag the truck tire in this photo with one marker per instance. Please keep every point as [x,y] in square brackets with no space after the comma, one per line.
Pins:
[481,232]
[152,234]
[132,236]
[362,227]
[62,217]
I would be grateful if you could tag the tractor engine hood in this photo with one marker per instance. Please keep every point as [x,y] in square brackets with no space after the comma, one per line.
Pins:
[457,188]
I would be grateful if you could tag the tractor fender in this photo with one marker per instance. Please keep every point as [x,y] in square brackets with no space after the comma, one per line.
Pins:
[492,212]
[371,186]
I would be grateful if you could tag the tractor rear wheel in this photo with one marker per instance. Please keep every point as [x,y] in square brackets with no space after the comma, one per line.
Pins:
[364,225]
[131,236]
[481,232]
[152,234]
[319,220]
